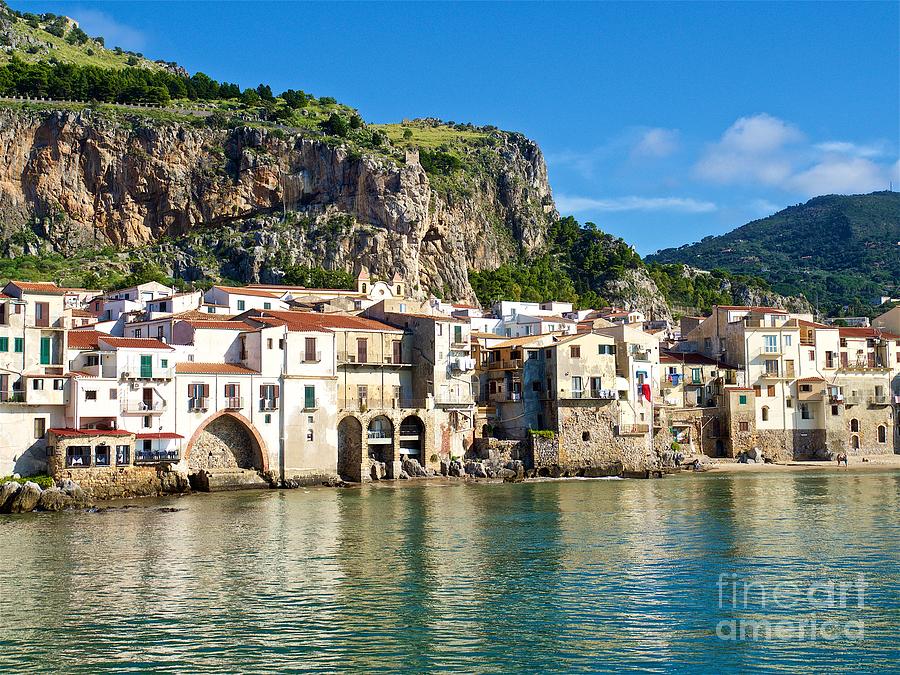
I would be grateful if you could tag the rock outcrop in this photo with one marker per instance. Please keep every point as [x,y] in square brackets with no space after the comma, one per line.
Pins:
[81,178]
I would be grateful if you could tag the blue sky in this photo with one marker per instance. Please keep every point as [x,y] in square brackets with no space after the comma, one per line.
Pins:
[662,123]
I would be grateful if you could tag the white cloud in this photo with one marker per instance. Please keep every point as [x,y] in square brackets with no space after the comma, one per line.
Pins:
[764,150]
[115,34]
[752,149]
[852,149]
[656,142]
[574,204]
[842,176]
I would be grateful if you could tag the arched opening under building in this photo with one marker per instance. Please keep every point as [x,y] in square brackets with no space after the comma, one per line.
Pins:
[380,438]
[412,439]
[349,459]
[226,441]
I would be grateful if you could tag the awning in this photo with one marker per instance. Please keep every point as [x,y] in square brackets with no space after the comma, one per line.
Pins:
[163,435]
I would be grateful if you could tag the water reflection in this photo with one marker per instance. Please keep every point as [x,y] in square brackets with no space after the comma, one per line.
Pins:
[582,575]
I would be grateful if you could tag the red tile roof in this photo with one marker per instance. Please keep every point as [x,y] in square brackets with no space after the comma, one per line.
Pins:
[162,435]
[813,324]
[316,321]
[688,357]
[134,343]
[40,287]
[220,325]
[78,433]
[197,368]
[84,339]
[867,333]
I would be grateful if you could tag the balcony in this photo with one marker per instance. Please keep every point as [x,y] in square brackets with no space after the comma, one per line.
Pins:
[591,394]
[234,403]
[816,394]
[311,357]
[130,372]
[268,404]
[156,455]
[409,432]
[453,399]
[640,355]
[198,404]
[12,397]
[836,399]
[505,396]
[379,437]
[512,364]
[140,407]
[632,429]
[311,404]
[460,346]
[853,399]
[879,399]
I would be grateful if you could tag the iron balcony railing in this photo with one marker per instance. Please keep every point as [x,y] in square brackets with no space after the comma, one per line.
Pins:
[197,404]
[234,402]
[157,455]
[311,357]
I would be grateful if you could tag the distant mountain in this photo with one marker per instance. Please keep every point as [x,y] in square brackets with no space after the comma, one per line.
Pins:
[839,251]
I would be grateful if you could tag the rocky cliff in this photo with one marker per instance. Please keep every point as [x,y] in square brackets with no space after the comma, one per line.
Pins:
[263,198]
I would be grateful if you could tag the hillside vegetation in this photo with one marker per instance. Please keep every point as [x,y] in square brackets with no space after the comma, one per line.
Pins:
[839,251]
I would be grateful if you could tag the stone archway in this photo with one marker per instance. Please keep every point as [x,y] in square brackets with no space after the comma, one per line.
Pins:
[350,449]
[226,440]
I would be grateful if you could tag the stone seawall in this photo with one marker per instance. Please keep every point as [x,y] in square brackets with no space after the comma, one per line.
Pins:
[128,481]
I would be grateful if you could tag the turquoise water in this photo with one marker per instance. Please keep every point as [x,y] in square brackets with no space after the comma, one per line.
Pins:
[565,576]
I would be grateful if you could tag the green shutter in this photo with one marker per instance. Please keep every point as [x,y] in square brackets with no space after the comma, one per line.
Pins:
[309,397]
[45,351]
[146,365]
[19,345]
[4,344]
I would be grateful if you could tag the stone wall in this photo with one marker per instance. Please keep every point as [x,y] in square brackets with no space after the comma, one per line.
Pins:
[499,451]
[125,481]
[225,444]
[587,442]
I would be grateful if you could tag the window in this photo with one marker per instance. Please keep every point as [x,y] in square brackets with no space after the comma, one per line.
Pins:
[19,345]
[771,367]
[90,395]
[147,422]
[137,332]
[585,436]
[532,354]
[457,334]
[536,386]
[269,343]
[399,290]
[835,410]
[548,354]
[882,434]
[241,305]
[788,402]
[78,455]
[210,310]
[268,393]
[164,363]
[770,390]
[812,354]
[309,350]
[40,426]
[309,397]
[281,343]
[102,455]
[59,385]
[743,426]
[267,418]
[160,331]
[575,352]
[742,399]
[606,349]
[854,425]
[123,455]
[4,344]
[805,412]
[576,387]
[267,305]
[788,340]
[696,375]
[92,360]
[362,350]
[37,384]
[771,343]
[765,413]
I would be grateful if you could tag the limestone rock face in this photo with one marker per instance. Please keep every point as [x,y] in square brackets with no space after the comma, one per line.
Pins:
[91,179]
[54,499]
[7,492]
[26,499]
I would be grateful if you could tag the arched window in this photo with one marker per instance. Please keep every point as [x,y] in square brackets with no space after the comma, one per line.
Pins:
[882,434]
[854,424]
[854,442]
[765,413]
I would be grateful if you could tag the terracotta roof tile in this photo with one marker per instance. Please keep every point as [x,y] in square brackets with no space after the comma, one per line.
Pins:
[867,333]
[161,435]
[40,287]
[77,433]
[243,290]
[221,325]
[197,368]
[84,339]
[134,343]
[316,321]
